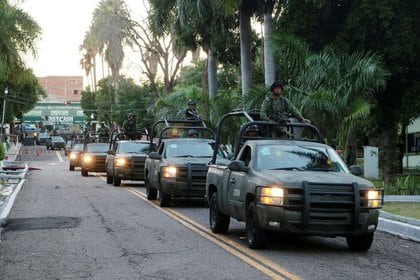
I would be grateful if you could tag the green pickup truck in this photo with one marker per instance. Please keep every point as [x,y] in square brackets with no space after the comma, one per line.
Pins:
[126,158]
[179,166]
[290,186]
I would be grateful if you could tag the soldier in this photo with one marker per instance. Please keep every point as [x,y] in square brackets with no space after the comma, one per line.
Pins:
[103,133]
[191,112]
[130,126]
[277,108]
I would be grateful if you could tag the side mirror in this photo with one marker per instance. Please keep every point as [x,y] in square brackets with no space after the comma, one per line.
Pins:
[111,152]
[356,170]
[155,155]
[238,165]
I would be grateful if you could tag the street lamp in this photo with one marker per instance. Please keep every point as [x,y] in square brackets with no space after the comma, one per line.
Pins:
[6,91]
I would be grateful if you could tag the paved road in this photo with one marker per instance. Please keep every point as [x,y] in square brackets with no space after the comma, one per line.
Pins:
[65,226]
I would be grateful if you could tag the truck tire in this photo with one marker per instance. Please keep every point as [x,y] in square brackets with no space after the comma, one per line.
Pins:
[164,199]
[84,172]
[71,167]
[360,243]
[256,237]
[109,179]
[151,193]
[219,222]
[117,182]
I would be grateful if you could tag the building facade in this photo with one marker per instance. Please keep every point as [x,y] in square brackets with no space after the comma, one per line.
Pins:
[62,88]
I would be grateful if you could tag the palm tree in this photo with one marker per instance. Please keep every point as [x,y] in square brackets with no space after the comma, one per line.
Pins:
[328,86]
[109,31]
[18,34]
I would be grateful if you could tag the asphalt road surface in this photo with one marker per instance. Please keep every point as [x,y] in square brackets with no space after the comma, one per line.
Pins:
[65,226]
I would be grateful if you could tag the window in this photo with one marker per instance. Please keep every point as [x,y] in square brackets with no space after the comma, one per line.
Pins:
[75,91]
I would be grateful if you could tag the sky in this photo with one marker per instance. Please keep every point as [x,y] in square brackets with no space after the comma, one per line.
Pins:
[64,24]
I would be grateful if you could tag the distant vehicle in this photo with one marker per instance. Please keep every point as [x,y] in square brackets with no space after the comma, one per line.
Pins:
[75,156]
[41,138]
[93,158]
[55,142]
[28,127]
[68,148]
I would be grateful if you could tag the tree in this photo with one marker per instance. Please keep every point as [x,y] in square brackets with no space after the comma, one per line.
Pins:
[388,27]
[18,33]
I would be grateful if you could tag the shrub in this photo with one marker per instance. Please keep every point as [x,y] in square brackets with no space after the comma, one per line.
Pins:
[403,186]
[2,151]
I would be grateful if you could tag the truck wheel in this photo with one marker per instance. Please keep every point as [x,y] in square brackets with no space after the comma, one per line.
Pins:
[85,172]
[164,199]
[360,243]
[219,222]
[117,181]
[150,192]
[257,238]
[71,167]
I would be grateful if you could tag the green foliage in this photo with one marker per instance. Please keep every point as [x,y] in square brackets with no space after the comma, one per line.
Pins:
[2,151]
[403,186]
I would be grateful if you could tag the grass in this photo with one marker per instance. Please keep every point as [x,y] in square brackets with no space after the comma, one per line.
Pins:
[406,209]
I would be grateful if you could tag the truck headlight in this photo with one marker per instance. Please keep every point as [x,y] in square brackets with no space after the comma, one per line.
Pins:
[73,155]
[271,195]
[87,159]
[169,172]
[374,199]
[121,162]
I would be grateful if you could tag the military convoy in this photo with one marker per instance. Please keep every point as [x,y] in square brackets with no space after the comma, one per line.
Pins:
[281,178]
[290,186]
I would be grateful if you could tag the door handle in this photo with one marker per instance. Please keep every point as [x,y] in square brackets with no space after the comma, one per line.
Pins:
[233,180]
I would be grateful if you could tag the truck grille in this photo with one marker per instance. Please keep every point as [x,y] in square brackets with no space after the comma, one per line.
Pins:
[194,174]
[100,162]
[324,204]
[138,166]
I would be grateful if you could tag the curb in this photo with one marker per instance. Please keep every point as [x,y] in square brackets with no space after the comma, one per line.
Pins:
[407,228]
[6,211]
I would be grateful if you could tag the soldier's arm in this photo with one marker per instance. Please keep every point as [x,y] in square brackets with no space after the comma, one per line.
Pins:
[263,110]
[294,111]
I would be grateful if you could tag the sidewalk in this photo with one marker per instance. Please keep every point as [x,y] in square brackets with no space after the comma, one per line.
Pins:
[407,228]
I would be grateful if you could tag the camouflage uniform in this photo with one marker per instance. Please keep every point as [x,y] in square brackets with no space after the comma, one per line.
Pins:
[281,107]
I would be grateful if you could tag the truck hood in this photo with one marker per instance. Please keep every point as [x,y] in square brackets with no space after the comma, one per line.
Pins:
[129,155]
[295,178]
[185,160]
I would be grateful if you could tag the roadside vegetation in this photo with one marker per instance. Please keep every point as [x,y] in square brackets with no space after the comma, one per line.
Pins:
[407,209]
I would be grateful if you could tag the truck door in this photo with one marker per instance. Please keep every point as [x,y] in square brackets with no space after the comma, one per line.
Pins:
[237,181]
[155,166]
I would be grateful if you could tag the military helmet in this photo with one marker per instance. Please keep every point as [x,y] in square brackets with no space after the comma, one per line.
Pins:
[192,132]
[276,84]
[191,102]
[252,127]
[131,115]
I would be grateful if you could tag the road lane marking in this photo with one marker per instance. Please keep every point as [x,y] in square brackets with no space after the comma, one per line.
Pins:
[60,158]
[262,264]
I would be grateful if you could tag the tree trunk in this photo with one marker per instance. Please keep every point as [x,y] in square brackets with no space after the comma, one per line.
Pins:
[246,50]
[94,75]
[212,73]
[388,152]
[269,64]
[204,106]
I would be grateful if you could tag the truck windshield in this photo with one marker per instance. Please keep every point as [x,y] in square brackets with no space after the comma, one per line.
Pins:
[97,148]
[301,158]
[189,149]
[133,147]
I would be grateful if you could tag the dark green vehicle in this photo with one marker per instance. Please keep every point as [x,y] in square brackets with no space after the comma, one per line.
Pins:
[291,186]
[179,166]
[126,158]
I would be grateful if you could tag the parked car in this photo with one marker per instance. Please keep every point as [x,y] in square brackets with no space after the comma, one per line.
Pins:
[75,156]
[55,142]
[41,138]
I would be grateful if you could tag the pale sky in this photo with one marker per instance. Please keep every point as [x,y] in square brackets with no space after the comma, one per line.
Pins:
[63,24]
